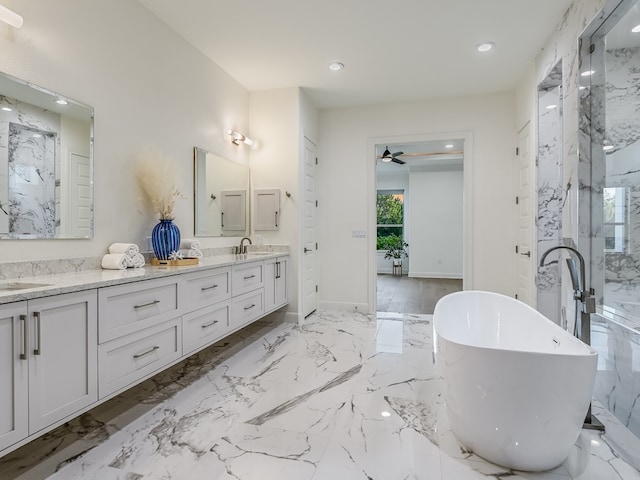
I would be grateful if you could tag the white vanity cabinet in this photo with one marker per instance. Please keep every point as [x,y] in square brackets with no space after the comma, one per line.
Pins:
[14,374]
[275,283]
[48,366]
[247,304]
[140,329]
[65,353]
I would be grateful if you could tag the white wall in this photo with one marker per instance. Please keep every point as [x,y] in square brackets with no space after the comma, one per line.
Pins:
[435,242]
[345,199]
[277,119]
[147,85]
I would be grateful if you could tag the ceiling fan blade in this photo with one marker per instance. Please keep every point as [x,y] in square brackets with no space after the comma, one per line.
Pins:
[397,154]
[397,160]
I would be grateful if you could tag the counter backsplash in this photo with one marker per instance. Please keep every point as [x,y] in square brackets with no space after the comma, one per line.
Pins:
[35,268]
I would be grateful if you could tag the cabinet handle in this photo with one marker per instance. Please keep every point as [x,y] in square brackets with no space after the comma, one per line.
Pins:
[207,325]
[147,352]
[276,219]
[204,289]
[146,304]
[38,349]
[250,306]
[277,269]
[23,332]
[249,277]
[222,219]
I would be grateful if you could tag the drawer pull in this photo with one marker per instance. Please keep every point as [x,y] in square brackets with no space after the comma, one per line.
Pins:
[23,353]
[250,306]
[146,304]
[204,289]
[249,277]
[147,352]
[207,325]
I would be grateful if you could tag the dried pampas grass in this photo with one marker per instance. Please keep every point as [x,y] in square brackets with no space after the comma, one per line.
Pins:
[157,175]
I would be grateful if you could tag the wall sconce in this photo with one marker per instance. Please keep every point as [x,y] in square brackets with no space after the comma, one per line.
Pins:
[10,17]
[237,138]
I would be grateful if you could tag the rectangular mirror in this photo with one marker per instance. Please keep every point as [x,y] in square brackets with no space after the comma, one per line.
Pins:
[221,196]
[46,163]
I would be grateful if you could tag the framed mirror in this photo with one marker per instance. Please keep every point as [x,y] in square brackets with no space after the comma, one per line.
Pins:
[221,196]
[46,163]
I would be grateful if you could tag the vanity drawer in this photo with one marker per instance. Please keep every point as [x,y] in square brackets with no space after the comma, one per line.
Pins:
[247,308]
[126,360]
[201,289]
[247,277]
[125,309]
[205,326]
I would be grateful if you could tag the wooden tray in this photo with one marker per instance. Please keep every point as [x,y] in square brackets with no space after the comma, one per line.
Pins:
[175,263]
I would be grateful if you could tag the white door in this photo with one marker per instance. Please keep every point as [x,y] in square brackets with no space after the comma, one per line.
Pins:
[234,207]
[13,374]
[309,273]
[80,196]
[63,359]
[524,259]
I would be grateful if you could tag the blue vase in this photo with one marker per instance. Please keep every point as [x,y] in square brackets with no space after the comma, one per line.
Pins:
[165,239]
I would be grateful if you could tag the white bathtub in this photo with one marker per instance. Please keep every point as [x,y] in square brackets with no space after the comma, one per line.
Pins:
[517,385]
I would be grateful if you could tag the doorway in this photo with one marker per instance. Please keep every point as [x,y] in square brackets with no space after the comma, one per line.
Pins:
[420,221]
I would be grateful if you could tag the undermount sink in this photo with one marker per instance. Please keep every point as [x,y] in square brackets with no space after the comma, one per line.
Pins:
[260,253]
[10,286]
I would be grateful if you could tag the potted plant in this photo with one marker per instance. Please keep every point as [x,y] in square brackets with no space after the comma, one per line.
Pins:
[396,250]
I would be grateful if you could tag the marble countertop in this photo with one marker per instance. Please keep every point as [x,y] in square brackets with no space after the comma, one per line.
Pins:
[56,284]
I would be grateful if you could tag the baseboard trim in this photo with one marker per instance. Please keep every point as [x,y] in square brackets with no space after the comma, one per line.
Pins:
[453,276]
[345,306]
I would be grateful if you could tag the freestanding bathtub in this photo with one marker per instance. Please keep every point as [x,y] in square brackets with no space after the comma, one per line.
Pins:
[517,386]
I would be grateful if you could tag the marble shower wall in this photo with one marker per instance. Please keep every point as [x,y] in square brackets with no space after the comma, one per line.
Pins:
[623,133]
[550,190]
[29,170]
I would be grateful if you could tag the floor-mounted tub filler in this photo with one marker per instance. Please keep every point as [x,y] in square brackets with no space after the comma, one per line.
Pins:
[517,385]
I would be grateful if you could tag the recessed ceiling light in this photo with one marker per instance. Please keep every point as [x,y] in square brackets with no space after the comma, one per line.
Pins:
[551,107]
[485,47]
[7,109]
[588,73]
[450,145]
[61,101]
[636,29]
[335,66]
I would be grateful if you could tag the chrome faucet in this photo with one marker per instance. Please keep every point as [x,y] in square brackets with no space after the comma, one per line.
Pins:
[242,249]
[587,304]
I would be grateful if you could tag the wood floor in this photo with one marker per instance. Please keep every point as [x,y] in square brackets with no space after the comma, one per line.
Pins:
[412,295]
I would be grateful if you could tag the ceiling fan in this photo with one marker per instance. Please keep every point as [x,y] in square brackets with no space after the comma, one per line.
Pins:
[387,157]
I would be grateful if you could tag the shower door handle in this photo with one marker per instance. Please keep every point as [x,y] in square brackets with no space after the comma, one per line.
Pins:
[527,254]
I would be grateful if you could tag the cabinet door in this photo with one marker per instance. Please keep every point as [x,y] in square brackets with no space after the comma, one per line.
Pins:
[63,369]
[270,272]
[281,286]
[13,374]
[267,209]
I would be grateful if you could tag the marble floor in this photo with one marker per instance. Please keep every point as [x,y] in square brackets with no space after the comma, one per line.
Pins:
[345,396]
[406,294]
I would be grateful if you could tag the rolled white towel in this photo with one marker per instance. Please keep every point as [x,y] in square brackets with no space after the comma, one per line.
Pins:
[137,260]
[189,243]
[115,261]
[129,249]
[190,253]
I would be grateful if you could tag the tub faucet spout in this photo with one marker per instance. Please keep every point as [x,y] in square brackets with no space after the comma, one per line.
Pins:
[587,303]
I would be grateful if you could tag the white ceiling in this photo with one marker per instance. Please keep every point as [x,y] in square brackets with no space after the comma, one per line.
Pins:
[393,51]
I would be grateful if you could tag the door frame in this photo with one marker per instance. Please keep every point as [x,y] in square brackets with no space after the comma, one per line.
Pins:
[467,209]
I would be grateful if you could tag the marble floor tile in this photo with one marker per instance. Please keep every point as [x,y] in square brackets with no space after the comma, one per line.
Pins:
[344,396]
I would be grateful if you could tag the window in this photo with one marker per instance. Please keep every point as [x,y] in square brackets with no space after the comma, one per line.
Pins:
[390,216]
[615,219]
